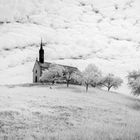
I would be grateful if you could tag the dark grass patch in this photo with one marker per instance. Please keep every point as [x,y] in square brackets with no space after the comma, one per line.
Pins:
[1,22]
[136,106]
[6,49]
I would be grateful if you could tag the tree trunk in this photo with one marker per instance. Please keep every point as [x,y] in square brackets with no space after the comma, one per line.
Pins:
[86,87]
[67,83]
[109,89]
[53,82]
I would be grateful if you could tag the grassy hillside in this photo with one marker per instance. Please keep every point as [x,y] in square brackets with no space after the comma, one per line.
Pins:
[60,113]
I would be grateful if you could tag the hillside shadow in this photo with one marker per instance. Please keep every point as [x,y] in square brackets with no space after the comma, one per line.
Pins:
[136,106]
[133,102]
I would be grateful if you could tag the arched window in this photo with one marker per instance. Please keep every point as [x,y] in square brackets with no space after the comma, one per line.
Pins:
[36,71]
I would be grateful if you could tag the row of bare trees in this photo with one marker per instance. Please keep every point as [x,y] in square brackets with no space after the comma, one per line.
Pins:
[91,76]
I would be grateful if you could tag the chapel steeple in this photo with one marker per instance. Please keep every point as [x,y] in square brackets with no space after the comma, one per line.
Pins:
[41,53]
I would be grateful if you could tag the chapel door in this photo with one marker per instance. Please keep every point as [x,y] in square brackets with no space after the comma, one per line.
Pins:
[36,79]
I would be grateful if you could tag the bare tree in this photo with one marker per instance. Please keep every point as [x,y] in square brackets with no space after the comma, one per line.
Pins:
[90,75]
[110,81]
[68,72]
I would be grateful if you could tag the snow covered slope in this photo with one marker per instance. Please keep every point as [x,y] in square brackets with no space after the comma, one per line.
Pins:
[74,32]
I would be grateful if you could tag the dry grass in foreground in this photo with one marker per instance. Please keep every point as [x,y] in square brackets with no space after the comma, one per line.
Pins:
[41,113]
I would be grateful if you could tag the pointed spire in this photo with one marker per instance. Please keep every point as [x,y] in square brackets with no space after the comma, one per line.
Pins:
[41,45]
[41,53]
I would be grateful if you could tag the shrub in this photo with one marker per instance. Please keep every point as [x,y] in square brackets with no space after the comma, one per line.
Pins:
[54,73]
[134,82]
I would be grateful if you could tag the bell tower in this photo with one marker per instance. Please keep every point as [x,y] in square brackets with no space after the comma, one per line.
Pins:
[41,53]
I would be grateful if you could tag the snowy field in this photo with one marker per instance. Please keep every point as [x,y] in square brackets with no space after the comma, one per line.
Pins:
[74,32]
[60,113]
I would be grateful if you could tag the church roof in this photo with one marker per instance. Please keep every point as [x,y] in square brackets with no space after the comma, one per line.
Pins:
[46,65]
